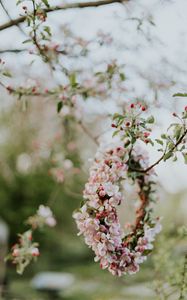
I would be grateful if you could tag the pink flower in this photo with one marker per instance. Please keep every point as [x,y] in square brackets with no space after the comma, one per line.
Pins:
[16,252]
[35,252]
[50,221]
[97,219]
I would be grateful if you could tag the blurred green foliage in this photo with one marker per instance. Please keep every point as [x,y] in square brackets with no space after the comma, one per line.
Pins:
[61,250]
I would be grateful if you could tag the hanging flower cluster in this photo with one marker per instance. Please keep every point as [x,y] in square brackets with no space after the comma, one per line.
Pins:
[97,219]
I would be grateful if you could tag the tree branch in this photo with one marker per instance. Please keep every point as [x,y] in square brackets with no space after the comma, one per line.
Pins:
[8,15]
[21,19]
[162,157]
[94,139]
[13,51]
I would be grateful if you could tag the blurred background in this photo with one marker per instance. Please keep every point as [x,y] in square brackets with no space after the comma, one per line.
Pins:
[45,156]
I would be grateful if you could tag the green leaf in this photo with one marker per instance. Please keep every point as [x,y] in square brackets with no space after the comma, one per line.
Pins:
[159,142]
[122,76]
[117,116]
[180,95]
[164,136]
[27,41]
[151,142]
[59,106]
[170,145]
[7,73]
[18,2]
[182,148]
[150,120]
[184,115]
[127,143]
[177,132]
[168,155]
[175,158]
[48,30]
[185,157]
[46,3]
[115,133]
[72,80]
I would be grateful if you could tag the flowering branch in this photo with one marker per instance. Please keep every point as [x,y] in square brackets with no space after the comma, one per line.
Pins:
[25,251]
[137,128]
[21,19]
[97,219]
[163,156]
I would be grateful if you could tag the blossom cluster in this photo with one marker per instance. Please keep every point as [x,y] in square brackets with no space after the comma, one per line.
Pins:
[43,216]
[24,251]
[97,219]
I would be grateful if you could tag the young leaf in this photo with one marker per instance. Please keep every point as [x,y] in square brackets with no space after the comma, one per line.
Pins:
[164,136]
[122,76]
[117,116]
[18,2]
[7,73]
[168,155]
[46,3]
[48,30]
[27,41]
[159,141]
[72,80]
[180,95]
[115,133]
[185,157]
[59,106]
[150,120]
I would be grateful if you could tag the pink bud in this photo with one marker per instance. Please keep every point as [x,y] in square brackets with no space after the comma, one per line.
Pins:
[35,252]
[102,193]
[15,252]
[146,134]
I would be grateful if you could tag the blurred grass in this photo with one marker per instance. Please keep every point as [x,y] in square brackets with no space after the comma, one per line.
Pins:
[93,284]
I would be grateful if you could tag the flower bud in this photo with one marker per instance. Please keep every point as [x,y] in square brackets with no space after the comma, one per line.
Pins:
[15,252]
[35,252]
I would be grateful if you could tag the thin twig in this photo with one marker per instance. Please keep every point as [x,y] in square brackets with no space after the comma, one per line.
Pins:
[10,19]
[63,52]
[162,157]
[94,139]
[13,51]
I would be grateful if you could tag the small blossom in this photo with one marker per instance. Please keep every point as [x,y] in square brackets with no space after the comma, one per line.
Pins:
[35,251]
[16,252]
